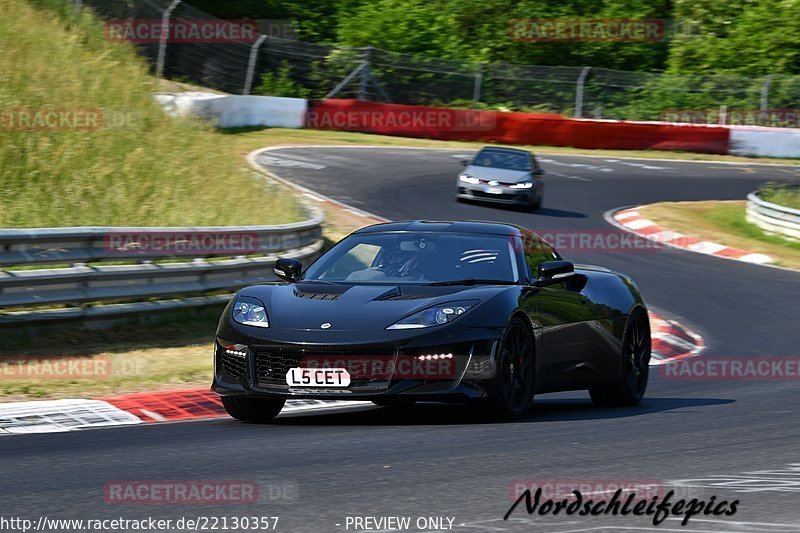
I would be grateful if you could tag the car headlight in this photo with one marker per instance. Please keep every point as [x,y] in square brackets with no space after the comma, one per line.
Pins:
[466,178]
[250,312]
[434,316]
[521,185]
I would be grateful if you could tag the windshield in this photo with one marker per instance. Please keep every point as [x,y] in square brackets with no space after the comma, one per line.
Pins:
[417,258]
[504,160]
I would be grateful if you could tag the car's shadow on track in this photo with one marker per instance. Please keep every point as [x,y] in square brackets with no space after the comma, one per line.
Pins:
[557,213]
[443,414]
[542,211]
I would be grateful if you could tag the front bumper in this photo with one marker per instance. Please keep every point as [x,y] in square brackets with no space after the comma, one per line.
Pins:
[392,367]
[504,195]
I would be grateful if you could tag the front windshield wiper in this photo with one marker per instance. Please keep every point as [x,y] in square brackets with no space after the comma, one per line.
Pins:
[472,281]
[326,282]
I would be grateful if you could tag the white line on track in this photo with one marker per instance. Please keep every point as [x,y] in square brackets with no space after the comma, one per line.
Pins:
[595,168]
[638,165]
[568,176]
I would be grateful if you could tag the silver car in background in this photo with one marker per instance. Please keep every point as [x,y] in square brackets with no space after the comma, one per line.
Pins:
[504,175]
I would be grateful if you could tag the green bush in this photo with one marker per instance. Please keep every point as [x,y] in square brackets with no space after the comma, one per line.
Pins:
[280,83]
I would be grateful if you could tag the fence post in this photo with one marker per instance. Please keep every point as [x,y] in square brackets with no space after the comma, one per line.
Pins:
[162,43]
[476,88]
[765,93]
[579,92]
[342,84]
[723,115]
[362,86]
[251,66]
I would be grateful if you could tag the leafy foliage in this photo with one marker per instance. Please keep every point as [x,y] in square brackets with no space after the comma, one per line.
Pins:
[747,37]
[280,83]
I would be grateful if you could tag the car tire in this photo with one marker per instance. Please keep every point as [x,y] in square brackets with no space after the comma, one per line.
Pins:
[395,403]
[634,370]
[532,205]
[513,394]
[252,409]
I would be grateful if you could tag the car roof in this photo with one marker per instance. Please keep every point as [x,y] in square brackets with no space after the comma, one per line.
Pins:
[439,226]
[501,149]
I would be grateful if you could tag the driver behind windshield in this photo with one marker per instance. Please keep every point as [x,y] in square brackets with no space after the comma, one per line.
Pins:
[400,264]
[394,264]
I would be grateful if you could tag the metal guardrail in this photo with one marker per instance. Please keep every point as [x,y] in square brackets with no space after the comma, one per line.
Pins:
[89,244]
[182,269]
[773,218]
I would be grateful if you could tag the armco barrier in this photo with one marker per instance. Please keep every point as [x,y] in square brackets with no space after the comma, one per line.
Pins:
[773,218]
[191,278]
[765,142]
[230,111]
[511,128]
[42,246]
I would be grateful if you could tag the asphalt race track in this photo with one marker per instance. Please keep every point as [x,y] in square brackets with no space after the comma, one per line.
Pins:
[732,439]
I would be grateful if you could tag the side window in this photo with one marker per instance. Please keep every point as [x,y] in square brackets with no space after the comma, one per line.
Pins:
[536,251]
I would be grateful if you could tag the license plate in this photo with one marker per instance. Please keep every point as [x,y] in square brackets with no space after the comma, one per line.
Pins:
[318,377]
[494,190]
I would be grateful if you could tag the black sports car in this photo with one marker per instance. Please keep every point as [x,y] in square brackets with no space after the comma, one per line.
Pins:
[480,312]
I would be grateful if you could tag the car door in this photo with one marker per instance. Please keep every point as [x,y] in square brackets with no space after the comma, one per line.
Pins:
[565,316]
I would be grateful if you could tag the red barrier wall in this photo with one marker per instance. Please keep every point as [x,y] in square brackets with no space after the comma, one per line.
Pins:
[511,128]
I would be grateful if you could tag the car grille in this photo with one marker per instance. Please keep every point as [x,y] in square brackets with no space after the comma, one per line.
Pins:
[232,365]
[272,366]
[501,183]
[490,196]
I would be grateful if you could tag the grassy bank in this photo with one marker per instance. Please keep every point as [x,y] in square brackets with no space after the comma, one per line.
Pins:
[116,159]
[724,223]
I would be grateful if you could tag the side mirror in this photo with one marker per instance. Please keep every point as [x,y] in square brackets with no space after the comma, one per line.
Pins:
[552,272]
[538,172]
[288,269]
[465,162]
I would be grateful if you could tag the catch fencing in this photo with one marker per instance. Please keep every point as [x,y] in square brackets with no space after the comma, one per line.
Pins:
[269,63]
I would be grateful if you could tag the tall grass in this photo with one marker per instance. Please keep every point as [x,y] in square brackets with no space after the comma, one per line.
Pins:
[141,168]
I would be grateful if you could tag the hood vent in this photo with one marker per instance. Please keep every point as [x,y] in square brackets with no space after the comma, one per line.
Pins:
[316,295]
